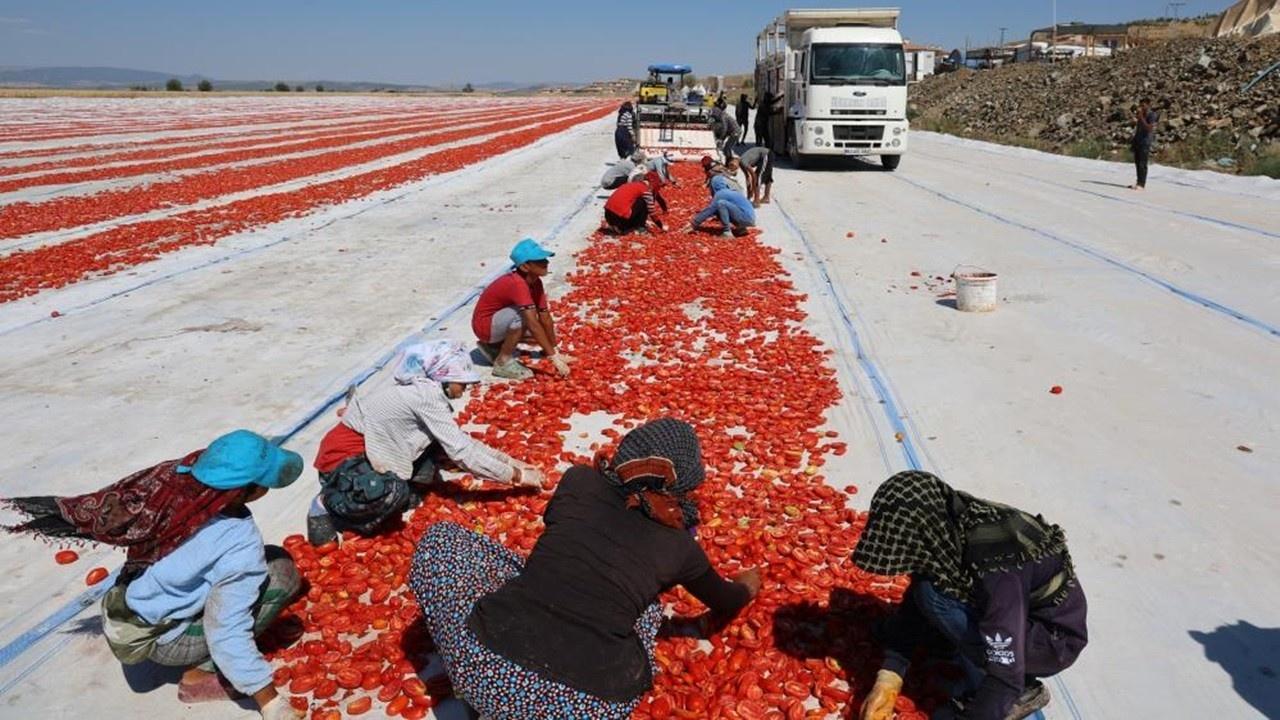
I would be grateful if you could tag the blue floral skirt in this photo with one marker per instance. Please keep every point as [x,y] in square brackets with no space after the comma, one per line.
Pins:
[452,569]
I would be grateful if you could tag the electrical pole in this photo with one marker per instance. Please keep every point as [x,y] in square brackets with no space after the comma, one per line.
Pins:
[1175,6]
[1002,36]
[1053,49]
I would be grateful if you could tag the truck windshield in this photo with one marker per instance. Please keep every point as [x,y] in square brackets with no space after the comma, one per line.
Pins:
[862,64]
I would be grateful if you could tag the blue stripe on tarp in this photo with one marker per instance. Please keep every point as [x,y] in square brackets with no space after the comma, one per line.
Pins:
[1127,201]
[70,610]
[1098,255]
[880,383]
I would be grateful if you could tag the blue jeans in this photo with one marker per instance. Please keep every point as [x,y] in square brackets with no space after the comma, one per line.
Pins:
[730,215]
[957,622]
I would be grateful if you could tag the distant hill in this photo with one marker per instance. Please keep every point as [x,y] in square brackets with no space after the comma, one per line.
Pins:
[114,78]
[87,77]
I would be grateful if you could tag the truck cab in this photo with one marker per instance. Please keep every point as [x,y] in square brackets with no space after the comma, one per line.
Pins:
[841,80]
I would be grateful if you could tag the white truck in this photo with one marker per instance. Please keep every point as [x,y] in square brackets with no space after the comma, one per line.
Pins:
[838,81]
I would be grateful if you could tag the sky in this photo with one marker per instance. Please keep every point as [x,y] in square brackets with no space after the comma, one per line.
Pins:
[425,42]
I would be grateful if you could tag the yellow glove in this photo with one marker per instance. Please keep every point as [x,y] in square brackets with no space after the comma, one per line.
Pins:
[879,702]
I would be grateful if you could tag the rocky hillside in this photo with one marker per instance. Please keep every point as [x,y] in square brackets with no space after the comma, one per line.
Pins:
[1084,107]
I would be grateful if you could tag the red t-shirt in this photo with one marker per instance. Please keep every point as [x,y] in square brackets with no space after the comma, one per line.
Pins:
[620,202]
[337,445]
[510,290]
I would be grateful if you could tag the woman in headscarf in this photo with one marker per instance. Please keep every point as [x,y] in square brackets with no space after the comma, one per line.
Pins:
[570,633]
[197,584]
[624,136]
[991,581]
[392,440]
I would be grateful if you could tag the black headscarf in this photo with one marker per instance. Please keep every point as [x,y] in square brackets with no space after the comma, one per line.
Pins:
[919,525]
[656,467]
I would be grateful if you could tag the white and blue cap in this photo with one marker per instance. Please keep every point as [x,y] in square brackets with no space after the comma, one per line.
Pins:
[528,250]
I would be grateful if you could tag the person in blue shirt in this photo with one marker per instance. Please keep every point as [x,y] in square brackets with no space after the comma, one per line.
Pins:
[198,583]
[731,206]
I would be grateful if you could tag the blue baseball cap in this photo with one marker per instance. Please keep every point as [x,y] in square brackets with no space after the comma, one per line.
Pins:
[528,250]
[242,458]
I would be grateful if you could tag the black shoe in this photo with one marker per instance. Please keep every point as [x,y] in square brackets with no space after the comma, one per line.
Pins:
[320,529]
[1034,697]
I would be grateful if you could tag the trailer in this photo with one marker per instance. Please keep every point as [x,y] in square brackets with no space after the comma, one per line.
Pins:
[834,83]
[670,121]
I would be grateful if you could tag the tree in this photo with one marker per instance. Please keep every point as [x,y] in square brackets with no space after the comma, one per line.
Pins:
[467,88]
[319,88]
[298,88]
[174,85]
[282,87]
[204,86]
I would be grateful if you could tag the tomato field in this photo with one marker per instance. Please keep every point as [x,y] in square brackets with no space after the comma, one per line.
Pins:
[154,195]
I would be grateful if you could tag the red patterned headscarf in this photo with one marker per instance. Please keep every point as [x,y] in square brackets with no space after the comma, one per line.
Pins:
[149,513]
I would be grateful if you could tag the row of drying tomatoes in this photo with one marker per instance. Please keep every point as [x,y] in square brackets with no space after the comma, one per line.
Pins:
[23,218]
[27,272]
[174,157]
[681,324]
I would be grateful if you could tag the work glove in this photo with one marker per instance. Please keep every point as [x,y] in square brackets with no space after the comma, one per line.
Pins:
[527,475]
[279,709]
[560,364]
[879,702]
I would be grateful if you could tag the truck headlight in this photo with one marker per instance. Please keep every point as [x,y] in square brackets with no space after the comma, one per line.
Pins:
[897,130]
[896,142]
[817,130]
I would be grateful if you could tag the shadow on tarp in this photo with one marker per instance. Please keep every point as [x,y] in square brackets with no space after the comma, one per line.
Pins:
[1251,656]
[1107,184]
[844,630]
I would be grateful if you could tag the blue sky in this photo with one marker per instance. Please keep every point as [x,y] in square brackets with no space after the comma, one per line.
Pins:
[476,41]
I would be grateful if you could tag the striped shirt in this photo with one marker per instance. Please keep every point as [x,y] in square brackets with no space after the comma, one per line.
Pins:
[399,422]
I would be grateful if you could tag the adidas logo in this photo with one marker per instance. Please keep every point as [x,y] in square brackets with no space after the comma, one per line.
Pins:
[999,649]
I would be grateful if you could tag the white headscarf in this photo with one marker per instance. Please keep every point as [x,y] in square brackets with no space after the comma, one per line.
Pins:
[436,360]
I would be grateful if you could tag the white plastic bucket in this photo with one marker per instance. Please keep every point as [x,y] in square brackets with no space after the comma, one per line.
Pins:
[975,289]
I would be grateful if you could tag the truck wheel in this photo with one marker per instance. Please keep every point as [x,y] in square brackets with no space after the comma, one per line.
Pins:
[890,162]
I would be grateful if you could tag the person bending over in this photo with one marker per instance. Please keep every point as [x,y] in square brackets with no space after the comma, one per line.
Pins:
[634,204]
[757,166]
[392,441]
[570,632]
[730,205]
[991,582]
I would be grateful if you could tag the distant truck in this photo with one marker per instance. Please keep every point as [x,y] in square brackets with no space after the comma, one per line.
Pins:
[840,80]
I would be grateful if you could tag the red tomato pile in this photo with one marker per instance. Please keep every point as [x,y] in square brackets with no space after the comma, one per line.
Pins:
[25,272]
[681,324]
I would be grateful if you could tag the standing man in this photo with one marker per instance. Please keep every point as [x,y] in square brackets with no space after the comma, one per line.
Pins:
[1145,119]
[515,308]
[743,112]
[726,132]
[757,166]
[764,109]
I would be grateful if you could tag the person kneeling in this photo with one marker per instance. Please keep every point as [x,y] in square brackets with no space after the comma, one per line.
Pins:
[730,205]
[992,582]
[570,632]
[197,584]
[392,440]
[635,203]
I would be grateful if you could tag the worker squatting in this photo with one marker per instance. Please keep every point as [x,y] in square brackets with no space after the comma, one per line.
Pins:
[568,632]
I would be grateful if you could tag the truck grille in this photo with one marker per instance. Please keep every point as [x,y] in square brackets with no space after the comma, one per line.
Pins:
[859,112]
[858,132]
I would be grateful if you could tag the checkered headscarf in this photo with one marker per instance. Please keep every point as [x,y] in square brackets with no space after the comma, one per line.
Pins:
[665,440]
[919,525]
